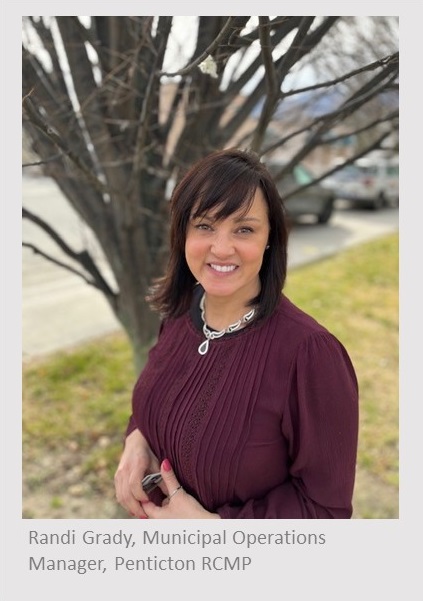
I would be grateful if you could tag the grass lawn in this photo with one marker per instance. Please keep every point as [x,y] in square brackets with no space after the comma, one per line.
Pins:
[76,404]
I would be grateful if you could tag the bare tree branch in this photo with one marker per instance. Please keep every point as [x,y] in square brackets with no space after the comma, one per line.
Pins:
[273,83]
[208,52]
[41,124]
[83,257]
[283,65]
[38,163]
[299,45]
[376,144]
[55,261]
[326,121]
[333,82]
[392,116]
[91,107]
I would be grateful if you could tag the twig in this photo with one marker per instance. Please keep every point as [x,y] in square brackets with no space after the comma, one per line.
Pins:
[208,51]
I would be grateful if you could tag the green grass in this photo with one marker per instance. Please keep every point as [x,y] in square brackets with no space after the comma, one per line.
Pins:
[76,404]
[79,401]
[355,294]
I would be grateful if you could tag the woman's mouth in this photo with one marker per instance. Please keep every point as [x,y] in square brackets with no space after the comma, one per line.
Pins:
[222,268]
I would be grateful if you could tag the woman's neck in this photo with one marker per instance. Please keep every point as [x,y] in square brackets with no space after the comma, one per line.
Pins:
[220,312]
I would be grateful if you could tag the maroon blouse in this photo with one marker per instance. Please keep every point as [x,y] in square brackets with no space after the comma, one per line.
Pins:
[264,425]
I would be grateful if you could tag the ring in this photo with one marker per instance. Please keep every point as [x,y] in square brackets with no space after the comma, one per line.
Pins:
[175,491]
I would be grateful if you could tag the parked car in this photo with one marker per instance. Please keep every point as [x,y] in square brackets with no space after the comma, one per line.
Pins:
[369,182]
[315,201]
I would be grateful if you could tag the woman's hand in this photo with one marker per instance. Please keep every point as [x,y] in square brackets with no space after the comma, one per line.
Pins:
[137,460]
[178,504]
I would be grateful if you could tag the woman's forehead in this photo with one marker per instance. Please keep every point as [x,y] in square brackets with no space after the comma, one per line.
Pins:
[253,204]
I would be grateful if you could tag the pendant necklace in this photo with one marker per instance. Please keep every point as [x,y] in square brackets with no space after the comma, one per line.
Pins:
[211,334]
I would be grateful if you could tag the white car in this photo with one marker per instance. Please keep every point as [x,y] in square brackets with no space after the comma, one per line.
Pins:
[372,183]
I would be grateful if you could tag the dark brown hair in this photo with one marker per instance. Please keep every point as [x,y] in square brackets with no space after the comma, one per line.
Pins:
[226,180]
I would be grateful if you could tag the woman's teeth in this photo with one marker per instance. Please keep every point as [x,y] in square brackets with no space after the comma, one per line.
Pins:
[223,268]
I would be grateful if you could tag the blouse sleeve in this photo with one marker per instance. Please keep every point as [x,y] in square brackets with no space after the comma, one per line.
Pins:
[320,425]
[131,425]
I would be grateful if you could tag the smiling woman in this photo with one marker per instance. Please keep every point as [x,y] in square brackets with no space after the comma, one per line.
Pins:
[247,406]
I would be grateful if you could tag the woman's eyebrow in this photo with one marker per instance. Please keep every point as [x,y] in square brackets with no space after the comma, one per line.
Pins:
[246,218]
[239,219]
[201,216]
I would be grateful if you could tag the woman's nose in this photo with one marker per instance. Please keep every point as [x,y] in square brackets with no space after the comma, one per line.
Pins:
[222,246]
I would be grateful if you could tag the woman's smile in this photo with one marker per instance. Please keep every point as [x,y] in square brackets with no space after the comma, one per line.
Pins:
[223,269]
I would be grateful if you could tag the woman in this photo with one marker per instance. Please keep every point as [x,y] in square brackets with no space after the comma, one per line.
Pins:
[247,406]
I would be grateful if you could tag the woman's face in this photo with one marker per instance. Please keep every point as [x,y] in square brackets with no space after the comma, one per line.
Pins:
[225,256]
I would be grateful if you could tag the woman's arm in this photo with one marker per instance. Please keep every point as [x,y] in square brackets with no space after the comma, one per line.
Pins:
[320,425]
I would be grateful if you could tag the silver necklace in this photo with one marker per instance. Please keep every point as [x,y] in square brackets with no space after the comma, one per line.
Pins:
[211,334]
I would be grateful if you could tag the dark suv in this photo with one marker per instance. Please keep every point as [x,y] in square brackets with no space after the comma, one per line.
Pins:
[316,200]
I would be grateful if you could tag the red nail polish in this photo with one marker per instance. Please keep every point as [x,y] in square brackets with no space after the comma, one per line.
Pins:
[166,465]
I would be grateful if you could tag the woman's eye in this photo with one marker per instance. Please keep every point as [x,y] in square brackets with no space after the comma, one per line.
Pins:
[245,230]
[202,226]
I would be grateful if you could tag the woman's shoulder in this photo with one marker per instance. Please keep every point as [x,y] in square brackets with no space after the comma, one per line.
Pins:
[288,313]
[298,327]
[303,334]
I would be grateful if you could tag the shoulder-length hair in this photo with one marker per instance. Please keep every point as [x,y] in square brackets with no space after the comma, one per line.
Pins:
[225,180]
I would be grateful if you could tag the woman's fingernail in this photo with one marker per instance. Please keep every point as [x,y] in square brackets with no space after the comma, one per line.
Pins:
[166,465]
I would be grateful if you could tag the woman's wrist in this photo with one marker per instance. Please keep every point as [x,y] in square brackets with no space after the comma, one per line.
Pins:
[136,439]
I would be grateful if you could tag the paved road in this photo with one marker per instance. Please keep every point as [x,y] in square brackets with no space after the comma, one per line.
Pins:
[59,310]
